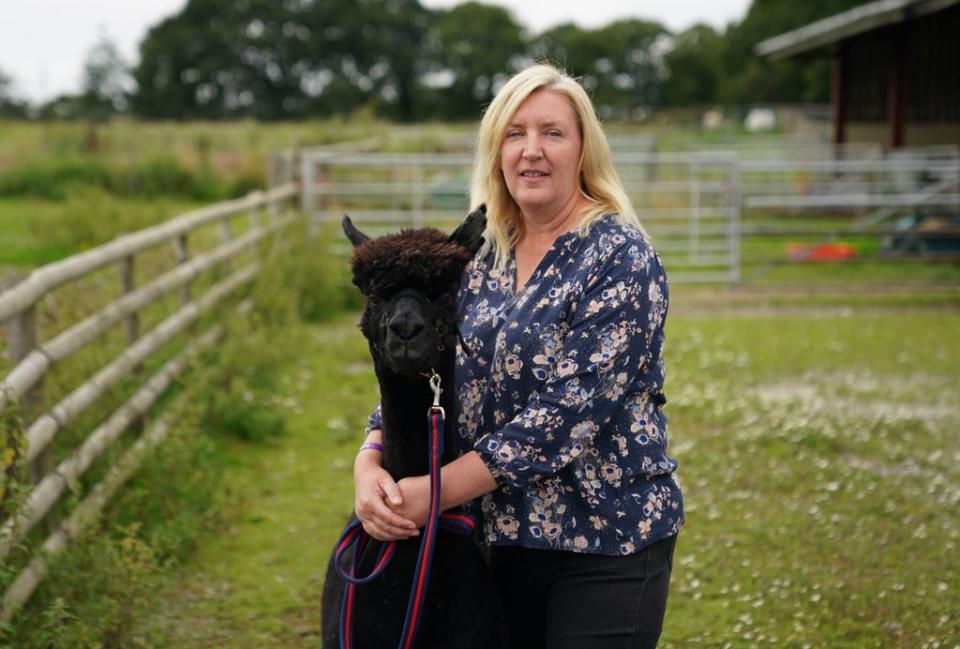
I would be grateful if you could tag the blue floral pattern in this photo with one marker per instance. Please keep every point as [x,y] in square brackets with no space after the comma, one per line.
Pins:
[561,394]
[560,390]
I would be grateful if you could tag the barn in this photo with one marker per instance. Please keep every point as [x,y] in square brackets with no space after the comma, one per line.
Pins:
[896,70]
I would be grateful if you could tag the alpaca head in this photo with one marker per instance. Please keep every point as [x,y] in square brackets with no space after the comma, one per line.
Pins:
[410,280]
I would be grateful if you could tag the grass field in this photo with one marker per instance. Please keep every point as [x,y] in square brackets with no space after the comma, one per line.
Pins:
[819,465]
[818,458]
[813,409]
[35,231]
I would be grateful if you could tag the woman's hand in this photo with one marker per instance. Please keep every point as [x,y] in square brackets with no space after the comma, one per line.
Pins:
[415,505]
[464,479]
[373,487]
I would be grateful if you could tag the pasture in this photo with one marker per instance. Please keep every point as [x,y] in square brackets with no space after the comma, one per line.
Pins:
[813,411]
[818,457]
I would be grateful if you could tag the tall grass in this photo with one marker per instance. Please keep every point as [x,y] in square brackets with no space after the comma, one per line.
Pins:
[200,161]
[161,175]
[108,579]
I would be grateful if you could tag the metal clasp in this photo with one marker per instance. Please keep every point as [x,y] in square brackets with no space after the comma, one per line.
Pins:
[437,391]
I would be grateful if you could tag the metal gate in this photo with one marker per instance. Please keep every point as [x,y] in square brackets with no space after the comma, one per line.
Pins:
[689,202]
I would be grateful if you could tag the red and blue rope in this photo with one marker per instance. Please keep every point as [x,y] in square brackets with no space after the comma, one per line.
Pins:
[355,537]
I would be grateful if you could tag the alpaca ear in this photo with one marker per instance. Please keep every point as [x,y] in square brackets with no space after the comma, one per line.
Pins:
[469,234]
[356,237]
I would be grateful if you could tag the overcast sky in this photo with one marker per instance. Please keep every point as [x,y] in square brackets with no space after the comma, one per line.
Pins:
[43,42]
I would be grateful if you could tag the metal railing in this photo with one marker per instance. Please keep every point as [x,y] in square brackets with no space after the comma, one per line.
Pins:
[689,203]
[698,207]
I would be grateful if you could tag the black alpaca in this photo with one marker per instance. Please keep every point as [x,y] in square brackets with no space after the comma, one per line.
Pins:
[410,282]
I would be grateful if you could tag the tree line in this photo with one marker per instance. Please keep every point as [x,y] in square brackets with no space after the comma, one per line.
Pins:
[294,59]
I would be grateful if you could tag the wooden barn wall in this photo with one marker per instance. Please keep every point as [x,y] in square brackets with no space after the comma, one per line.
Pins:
[933,67]
[866,61]
[929,52]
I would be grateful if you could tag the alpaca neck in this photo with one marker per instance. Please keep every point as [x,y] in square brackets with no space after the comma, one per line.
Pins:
[404,404]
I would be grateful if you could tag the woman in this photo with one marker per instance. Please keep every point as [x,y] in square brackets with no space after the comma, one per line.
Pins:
[559,385]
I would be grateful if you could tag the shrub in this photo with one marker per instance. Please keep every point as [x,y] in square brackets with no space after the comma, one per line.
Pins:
[51,178]
[167,176]
[106,581]
[317,279]
[91,216]
[159,175]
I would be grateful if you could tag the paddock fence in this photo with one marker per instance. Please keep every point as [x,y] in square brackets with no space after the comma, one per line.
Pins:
[715,214]
[195,287]
[905,201]
[689,202]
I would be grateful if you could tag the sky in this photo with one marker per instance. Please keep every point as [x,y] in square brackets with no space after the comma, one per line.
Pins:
[43,43]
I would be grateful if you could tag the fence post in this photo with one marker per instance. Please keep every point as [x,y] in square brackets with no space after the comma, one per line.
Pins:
[133,326]
[225,236]
[21,331]
[181,254]
[308,186]
[277,179]
[693,245]
[736,232]
[418,179]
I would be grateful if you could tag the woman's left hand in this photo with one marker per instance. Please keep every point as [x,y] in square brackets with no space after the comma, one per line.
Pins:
[416,499]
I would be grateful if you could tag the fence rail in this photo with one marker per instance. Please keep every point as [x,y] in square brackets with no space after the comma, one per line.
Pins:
[690,202]
[699,207]
[32,360]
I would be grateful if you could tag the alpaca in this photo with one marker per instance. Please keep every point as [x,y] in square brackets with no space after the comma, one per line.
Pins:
[410,281]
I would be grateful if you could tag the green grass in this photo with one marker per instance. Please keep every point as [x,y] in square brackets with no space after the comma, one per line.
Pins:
[818,459]
[257,581]
[195,160]
[34,231]
[877,273]
[815,426]
[19,245]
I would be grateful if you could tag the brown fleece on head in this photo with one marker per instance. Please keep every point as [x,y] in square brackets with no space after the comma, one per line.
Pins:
[421,259]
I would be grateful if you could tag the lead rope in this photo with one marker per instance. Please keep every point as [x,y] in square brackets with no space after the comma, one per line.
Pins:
[354,536]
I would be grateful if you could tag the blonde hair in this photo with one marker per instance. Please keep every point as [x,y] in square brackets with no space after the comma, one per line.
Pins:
[599,182]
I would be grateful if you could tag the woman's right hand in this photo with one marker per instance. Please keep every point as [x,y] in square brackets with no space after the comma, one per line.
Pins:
[373,487]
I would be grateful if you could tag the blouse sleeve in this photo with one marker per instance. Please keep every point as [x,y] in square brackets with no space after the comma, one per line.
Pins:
[375,420]
[611,340]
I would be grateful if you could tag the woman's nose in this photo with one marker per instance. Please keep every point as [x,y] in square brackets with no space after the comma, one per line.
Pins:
[531,147]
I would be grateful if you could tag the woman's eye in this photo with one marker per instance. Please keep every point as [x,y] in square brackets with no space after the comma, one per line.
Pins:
[554,133]
[513,134]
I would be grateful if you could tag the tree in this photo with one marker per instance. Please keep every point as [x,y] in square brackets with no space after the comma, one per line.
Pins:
[693,67]
[573,49]
[629,76]
[106,82]
[750,78]
[10,106]
[281,60]
[619,64]
[390,51]
[474,47]
[221,58]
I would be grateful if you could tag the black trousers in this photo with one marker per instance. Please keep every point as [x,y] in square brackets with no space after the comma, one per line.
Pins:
[568,600]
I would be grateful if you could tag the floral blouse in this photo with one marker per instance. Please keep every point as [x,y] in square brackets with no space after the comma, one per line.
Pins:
[560,390]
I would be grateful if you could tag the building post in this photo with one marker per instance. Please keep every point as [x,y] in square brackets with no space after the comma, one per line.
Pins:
[897,95]
[839,99]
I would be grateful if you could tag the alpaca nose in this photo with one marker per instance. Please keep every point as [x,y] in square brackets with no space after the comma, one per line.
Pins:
[406,326]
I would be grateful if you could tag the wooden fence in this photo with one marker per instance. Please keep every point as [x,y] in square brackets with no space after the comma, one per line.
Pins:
[23,386]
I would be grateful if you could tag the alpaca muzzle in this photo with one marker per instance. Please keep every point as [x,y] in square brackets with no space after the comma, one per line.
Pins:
[408,339]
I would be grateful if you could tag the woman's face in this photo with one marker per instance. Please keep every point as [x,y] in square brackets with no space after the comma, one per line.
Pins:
[540,154]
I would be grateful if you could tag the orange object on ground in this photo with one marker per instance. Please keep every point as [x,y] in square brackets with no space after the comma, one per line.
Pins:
[834,251]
